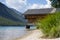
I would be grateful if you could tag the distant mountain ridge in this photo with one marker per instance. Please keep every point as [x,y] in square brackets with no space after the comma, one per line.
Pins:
[11,14]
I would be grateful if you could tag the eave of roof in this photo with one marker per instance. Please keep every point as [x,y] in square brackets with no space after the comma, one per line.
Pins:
[40,11]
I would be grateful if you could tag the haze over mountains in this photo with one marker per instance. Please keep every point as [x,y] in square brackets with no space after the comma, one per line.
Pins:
[9,16]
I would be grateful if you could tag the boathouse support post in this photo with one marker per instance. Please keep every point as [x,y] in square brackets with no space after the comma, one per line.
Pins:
[27,26]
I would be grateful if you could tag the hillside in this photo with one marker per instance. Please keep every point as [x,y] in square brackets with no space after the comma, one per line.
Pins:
[7,22]
[10,16]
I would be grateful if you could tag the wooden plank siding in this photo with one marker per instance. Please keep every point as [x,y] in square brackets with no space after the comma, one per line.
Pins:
[33,18]
[33,14]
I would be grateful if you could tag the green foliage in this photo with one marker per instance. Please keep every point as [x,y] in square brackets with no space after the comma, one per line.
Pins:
[5,21]
[55,3]
[50,26]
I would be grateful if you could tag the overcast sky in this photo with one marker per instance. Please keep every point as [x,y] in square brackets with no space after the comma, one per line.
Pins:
[23,5]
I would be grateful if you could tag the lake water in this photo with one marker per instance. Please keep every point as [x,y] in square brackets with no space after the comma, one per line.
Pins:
[11,32]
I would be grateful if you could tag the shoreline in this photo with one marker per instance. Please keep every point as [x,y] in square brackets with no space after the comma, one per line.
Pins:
[29,32]
[35,35]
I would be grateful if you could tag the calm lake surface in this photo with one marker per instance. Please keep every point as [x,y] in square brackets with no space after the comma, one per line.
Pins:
[12,32]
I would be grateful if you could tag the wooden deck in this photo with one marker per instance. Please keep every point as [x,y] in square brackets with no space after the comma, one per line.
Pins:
[31,24]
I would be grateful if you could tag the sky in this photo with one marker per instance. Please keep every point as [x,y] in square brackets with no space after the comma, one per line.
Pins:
[24,5]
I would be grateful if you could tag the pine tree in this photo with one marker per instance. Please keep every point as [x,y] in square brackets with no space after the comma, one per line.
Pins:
[55,3]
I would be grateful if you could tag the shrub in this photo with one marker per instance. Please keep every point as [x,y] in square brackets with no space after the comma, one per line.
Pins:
[50,26]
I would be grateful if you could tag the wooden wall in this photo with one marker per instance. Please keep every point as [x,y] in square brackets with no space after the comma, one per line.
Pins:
[33,18]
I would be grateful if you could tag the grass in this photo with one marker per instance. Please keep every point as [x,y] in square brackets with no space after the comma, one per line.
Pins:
[50,25]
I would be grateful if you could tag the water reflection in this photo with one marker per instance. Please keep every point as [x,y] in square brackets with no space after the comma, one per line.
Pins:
[10,33]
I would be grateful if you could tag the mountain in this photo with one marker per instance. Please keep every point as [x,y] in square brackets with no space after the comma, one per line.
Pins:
[18,15]
[11,14]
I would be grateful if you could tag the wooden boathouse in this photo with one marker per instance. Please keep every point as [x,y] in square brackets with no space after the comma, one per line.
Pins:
[32,15]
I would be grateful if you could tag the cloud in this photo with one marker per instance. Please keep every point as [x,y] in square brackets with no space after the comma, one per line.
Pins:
[17,4]
[39,6]
[36,6]
[23,5]
[48,5]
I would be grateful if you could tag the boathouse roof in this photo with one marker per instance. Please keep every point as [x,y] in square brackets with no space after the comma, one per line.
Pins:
[40,11]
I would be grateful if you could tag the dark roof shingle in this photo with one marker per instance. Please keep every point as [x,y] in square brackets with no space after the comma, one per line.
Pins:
[39,11]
